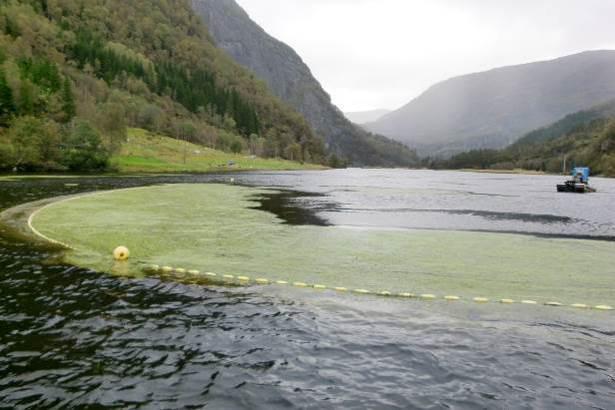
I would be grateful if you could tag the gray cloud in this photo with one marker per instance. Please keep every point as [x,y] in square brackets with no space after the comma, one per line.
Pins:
[381,53]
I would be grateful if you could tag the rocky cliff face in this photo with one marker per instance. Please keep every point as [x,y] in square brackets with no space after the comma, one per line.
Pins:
[290,79]
[493,109]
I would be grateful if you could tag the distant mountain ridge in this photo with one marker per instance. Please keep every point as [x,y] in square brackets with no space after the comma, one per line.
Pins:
[494,108]
[290,78]
[363,117]
[585,138]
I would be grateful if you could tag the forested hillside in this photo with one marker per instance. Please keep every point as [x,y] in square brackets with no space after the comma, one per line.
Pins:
[584,138]
[74,74]
[291,79]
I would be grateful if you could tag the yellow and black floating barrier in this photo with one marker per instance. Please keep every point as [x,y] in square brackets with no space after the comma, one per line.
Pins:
[182,273]
[580,306]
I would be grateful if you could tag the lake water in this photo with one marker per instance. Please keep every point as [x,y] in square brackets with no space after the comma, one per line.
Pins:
[75,337]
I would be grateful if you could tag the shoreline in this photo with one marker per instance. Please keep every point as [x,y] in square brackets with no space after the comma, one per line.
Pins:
[214,171]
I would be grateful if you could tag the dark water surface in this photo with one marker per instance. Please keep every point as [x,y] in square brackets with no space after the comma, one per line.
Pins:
[70,337]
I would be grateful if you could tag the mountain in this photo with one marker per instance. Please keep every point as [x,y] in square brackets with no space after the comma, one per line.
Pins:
[363,117]
[75,74]
[583,138]
[565,126]
[289,78]
[492,109]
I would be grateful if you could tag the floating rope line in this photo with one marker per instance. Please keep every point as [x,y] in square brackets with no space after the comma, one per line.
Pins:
[244,280]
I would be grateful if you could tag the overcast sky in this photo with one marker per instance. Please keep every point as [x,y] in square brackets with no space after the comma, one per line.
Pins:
[382,53]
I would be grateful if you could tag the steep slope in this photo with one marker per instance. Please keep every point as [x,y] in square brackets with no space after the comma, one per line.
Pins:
[289,78]
[584,138]
[493,108]
[77,70]
[363,117]
[567,125]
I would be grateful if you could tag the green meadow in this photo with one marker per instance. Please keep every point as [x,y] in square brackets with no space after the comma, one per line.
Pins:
[146,152]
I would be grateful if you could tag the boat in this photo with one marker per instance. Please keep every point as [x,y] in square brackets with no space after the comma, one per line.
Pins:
[579,183]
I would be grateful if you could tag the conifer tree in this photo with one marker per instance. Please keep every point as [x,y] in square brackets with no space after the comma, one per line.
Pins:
[26,98]
[7,104]
[68,101]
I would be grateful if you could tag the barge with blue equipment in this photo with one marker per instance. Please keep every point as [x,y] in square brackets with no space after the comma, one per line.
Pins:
[579,183]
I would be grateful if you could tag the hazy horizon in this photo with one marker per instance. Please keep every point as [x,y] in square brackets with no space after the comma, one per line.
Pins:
[410,45]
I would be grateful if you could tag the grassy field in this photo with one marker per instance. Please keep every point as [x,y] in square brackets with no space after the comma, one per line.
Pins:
[145,152]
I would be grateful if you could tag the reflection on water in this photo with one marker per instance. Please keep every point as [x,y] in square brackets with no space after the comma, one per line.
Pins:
[76,338]
[295,207]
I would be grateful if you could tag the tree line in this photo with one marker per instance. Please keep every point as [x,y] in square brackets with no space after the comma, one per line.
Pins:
[586,138]
[195,89]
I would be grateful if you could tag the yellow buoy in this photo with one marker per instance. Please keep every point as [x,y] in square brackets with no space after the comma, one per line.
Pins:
[507,301]
[481,300]
[262,281]
[121,253]
[428,296]
[452,298]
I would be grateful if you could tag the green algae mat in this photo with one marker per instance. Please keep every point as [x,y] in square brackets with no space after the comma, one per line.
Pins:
[213,228]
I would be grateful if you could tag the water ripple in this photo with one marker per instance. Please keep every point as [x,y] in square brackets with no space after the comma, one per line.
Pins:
[70,337]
